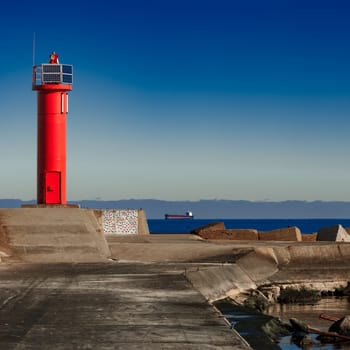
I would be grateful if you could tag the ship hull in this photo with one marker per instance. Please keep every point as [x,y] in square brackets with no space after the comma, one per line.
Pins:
[178,217]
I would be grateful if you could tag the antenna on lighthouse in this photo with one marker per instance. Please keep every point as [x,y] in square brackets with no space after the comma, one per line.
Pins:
[34,49]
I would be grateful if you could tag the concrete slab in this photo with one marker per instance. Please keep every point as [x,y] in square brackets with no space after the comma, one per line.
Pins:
[260,264]
[171,248]
[106,306]
[218,282]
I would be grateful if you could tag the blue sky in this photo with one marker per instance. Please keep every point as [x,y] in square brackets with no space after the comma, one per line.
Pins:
[184,100]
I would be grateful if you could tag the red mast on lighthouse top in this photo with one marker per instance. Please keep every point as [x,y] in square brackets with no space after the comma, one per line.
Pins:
[52,81]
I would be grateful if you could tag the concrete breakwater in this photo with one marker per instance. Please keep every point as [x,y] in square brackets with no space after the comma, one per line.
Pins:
[56,234]
[60,271]
[217,230]
[319,266]
[78,235]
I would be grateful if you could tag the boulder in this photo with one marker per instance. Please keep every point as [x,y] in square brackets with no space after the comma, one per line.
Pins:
[335,233]
[342,326]
[283,234]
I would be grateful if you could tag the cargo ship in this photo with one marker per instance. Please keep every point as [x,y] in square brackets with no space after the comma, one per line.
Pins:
[188,215]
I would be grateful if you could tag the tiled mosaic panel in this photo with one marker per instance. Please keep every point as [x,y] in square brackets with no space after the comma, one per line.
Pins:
[122,221]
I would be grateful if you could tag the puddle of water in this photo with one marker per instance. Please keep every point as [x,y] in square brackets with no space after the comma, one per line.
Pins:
[337,307]
[248,323]
[286,344]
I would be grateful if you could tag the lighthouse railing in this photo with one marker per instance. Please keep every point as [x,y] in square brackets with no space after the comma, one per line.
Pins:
[52,74]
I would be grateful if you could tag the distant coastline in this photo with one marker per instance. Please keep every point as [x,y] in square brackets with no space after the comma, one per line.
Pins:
[224,209]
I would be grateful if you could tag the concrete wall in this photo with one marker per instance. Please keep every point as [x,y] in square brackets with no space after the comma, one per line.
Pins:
[60,234]
[142,222]
[52,235]
[319,266]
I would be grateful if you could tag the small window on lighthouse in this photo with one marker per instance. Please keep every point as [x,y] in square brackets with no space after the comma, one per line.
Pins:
[62,103]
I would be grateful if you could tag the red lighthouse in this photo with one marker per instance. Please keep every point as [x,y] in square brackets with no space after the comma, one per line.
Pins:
[52,82]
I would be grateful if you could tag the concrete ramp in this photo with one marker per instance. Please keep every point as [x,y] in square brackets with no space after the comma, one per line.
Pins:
[52,235]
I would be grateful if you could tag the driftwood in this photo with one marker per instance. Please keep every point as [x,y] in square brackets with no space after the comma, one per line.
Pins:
[301,326]
[328,318]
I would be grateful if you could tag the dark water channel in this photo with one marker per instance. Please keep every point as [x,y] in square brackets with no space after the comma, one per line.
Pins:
[248,323]
[337,307]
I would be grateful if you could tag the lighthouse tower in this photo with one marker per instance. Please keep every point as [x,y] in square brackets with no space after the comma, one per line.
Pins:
[52,81]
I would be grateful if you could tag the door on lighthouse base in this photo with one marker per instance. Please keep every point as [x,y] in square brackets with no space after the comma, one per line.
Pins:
[52,187]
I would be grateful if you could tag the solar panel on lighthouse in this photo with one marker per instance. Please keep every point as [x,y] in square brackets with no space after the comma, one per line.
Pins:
[57,73]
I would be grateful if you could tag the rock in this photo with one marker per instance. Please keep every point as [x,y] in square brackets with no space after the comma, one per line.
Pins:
[298,325]
[335,233]
[256,300]
[298,296]
[342,326]
[302,341]
[275,329]
[306,341]
[342,291]
[283,234]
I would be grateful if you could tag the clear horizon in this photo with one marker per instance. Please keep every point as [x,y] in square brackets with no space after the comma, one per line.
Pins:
[187,200]
[185,99]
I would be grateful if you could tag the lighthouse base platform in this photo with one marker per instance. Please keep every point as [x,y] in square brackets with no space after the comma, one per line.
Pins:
[52,235]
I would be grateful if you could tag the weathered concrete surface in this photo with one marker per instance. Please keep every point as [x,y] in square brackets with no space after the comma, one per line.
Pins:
[52,235]
[107,306]
[153,296]
[172,248]
[260,264]
[214,282]
[142,223]
[231,234]
[213,226]
[226,268]
[310,237]
[283,234]
[335,233]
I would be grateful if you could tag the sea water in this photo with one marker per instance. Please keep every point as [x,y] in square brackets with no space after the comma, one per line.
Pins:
[186,225]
